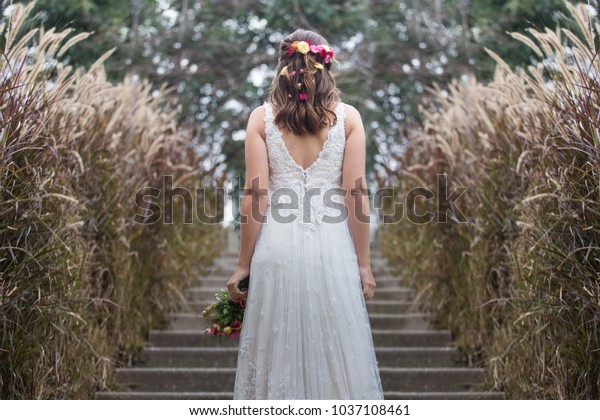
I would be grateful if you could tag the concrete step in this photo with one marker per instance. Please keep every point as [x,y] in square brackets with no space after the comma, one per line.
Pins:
[189,357]
[394,306]
[461,395]
[415,362]
[417,356]
[378,261]
[432,379]
[222,379]
[385,293]
[399,396]
[414,321]
[410,321]
[227,357]
[381,338]
[131,395]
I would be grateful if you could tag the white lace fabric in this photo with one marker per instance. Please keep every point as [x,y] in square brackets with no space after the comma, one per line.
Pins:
[306,332]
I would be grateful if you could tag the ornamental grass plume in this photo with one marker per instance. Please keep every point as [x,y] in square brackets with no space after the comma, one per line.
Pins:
[81,283]
[518,283]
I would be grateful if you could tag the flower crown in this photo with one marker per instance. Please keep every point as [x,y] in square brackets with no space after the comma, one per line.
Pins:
[324,52]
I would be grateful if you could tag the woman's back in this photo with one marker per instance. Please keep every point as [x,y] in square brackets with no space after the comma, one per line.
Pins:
[305,148]
[305,186]
[306,332]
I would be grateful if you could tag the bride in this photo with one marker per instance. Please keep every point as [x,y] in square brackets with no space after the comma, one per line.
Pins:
[305,239]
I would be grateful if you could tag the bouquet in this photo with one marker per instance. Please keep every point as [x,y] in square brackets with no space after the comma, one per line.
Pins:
[224,315]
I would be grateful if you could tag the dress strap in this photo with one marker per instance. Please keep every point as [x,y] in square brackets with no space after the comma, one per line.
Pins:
[341,120]
[268,111]
[270,129]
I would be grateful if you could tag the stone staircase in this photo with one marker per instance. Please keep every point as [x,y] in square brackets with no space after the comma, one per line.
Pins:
[416,361]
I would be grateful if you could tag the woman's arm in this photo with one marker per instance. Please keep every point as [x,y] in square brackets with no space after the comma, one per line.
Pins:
[254,199]
[357,199]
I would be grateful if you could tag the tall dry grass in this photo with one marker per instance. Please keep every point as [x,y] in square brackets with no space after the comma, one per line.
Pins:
[80,282]
[519,283]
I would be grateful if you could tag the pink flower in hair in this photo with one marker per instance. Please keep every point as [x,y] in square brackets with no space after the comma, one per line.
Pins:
[302,96]
[315,49]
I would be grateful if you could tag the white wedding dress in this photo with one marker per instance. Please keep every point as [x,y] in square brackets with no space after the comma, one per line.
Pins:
[306,331]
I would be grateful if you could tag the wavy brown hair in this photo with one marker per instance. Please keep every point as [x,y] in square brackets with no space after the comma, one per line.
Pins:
[322,95]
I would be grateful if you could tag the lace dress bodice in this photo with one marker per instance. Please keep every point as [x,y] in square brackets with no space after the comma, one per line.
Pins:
[315,189]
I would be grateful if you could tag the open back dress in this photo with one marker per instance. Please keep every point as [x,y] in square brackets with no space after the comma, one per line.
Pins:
[306,331]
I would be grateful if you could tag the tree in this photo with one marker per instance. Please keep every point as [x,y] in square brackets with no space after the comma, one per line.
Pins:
[491,21]
[106,19]
[220,56]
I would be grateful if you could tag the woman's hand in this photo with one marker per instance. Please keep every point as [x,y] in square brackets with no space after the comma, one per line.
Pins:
[233,290]
[367,281]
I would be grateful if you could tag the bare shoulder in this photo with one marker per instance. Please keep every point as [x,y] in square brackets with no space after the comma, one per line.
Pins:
[353,119]
[256,121]
[351,112]
[257,115]
[259,111]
